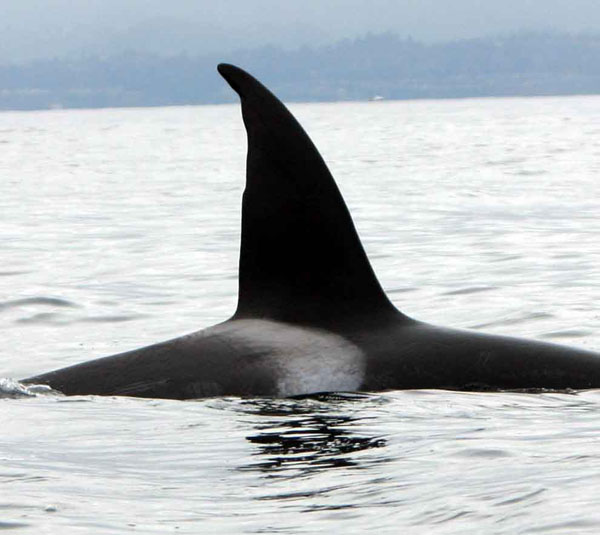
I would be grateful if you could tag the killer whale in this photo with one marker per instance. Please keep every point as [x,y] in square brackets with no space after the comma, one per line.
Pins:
[311,315]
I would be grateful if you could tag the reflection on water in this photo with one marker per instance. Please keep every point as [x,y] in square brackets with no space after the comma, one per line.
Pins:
[309,434]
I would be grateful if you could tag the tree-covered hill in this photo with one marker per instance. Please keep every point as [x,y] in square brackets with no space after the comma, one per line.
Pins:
[384,64]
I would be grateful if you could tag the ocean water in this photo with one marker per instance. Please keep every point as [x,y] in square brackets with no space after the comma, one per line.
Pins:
[120,228]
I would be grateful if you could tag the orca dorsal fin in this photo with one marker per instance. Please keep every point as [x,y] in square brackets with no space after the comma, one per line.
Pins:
[301,259]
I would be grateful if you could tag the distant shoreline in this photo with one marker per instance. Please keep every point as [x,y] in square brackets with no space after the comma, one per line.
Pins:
[519,65]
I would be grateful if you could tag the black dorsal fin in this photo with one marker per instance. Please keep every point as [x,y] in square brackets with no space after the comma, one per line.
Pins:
[301,259]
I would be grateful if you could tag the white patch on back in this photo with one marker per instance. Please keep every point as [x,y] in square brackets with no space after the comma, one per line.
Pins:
[305,360]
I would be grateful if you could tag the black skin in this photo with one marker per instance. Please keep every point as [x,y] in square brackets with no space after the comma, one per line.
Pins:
[303,265]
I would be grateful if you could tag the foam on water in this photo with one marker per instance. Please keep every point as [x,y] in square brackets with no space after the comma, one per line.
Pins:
[11,388]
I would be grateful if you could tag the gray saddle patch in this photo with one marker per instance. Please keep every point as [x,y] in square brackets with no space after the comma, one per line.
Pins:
[304,360]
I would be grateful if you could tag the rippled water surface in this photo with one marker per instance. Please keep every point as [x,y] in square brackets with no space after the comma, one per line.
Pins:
[121,227]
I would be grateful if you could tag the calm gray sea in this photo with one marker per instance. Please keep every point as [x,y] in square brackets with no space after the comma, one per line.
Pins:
[121,227]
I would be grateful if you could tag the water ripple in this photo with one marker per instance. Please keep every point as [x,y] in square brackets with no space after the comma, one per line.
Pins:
[470,290]
[36,301]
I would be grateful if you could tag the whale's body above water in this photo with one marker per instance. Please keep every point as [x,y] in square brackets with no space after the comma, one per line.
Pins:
[311,315]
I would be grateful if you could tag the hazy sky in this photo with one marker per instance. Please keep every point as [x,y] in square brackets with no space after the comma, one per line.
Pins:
[47,28]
